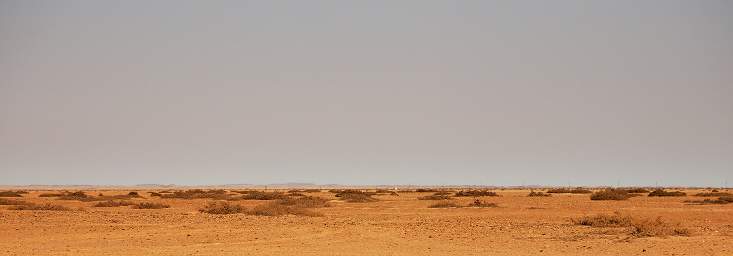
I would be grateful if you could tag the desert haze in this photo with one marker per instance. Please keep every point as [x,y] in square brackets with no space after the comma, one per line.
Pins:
[363,221]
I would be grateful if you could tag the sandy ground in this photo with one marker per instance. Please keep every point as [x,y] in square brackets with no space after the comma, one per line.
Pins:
[396,225]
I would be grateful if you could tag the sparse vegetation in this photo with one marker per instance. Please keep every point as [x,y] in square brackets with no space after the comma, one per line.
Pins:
[39,207]
[113,203]
[155,194]
[445,204]
[260,195]
[4,201]
[637,191]
[276,208]
[482,204]
[198,194]
[426,190]
[149,205]
[610,194]
[51,195]
[305,202]
[569,191]
[436,196]
[356,196]
[11,193]
[475,193]
[661,192]
[538,194]
[713,194]
[220,207]
[639,227]
[78,195]
[720,200]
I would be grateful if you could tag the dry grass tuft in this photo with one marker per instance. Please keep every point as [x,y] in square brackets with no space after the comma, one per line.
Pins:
[155,194]
[604,220]
[538,194]
[475,193]
[12,193]
[720,200]
[713,194]
[112,203]
[39,207]
[220,207]
[639,227]
[78,195]
[260,195]
[356,196]
[4,201]
[426,190]
[147,205]
[51,195]
[445,204]
[610,194]
[482,204]
[578,190]
[277,209]
[305,202]
[661,192]
[436,196]
[197,194]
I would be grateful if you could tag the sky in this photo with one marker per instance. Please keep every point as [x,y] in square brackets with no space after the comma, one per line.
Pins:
[563,93]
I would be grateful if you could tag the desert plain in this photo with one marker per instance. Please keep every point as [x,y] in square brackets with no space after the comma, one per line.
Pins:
[389,222]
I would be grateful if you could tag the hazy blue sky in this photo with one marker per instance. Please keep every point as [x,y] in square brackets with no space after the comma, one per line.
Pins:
[366,92]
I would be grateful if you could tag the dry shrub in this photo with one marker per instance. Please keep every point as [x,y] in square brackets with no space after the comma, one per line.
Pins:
[435,196]
[51,195]
[155,194]
[295,194]
[356,197]
[39,207]
[475,193]
[81,196]
[604,220]
[661,192]
[720,200]
[260,195]
[637,190]
[639,227]
[714,194]
[12,193]
[578,190]
[148,205]
[656,227]
[310,190]
[78,195]
[610,194]
[538,194]
[197,194]
[112,203]
[445,204]
[482,204]
[426,190]
[220,207]
[277,209]
[305,202]
[4,201]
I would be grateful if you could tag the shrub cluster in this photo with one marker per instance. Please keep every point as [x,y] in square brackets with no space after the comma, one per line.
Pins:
[661,192]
